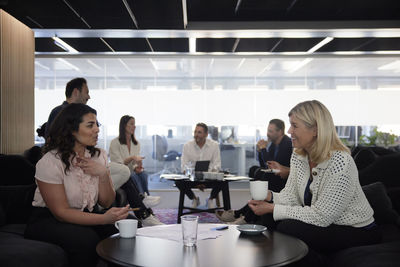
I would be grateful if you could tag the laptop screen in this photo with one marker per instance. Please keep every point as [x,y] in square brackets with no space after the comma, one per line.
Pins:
[202,166]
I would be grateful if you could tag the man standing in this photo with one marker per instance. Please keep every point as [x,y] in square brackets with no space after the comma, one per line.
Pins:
[273,154]
[76,91]
[199,149]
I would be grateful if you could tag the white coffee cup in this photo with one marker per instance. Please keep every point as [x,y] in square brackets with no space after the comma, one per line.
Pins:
[127,227]
[259,189]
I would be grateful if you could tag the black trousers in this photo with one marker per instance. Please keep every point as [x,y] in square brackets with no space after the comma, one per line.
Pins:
[79,241]
[135,199]
[275,182]
[248,214]
[322,240]
[214,191]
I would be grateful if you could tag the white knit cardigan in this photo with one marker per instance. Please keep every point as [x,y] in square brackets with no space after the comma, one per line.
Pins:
[337,196]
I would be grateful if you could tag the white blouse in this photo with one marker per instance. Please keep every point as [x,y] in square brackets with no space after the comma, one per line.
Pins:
[81,189]
[119,152]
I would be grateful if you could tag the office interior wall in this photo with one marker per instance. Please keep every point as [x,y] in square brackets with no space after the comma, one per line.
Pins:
[17,111]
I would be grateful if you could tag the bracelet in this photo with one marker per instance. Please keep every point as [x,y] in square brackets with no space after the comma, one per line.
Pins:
[272,198]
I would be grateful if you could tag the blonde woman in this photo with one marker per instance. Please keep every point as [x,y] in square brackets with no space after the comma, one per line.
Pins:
[322,203]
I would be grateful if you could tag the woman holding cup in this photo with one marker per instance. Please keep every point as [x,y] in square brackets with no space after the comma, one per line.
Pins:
[322,203]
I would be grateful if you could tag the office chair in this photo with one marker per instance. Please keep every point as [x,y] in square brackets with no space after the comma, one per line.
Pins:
[161,153]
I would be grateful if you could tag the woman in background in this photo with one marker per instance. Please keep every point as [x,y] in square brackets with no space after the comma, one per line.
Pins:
[125,149]
[73,177]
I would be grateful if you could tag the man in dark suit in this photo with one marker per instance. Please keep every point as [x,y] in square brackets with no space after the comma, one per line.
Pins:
[278,148]
[273,154]
[76,91]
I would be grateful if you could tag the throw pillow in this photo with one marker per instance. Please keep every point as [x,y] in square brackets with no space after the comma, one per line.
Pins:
[380,203]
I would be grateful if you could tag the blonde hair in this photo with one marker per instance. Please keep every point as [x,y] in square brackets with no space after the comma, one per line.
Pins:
[314,114]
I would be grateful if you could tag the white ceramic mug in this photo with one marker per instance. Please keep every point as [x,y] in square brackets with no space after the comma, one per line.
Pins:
[259,189]
[127,227]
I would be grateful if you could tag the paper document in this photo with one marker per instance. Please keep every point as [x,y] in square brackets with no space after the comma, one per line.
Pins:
[174,176]
[237,178]
[174,232]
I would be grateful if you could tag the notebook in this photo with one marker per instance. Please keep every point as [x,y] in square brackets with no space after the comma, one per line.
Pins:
[202,166]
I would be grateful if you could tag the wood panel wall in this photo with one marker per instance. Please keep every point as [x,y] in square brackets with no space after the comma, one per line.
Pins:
[17,55]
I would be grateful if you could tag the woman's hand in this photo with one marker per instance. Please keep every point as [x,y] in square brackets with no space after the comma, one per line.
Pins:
[139,169]
[283,170]
[137,159]
[260,207]
[115,214]
[91,167]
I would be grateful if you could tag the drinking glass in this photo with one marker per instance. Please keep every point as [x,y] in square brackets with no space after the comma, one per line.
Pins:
[189,230]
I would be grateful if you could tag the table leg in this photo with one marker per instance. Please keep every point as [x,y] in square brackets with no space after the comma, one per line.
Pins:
[181,201]
[225,195]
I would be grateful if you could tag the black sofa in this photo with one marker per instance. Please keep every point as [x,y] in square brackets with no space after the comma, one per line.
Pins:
[17,187]
[379,173]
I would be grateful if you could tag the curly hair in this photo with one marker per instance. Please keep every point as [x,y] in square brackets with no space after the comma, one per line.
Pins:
[60,136]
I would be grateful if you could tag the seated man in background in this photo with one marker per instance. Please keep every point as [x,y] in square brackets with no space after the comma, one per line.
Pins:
[199,149]
[272,154]
[278,148]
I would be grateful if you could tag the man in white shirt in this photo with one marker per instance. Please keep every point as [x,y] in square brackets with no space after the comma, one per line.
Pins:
[201,149]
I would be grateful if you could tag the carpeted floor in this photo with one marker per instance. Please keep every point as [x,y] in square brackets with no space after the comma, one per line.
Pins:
[169,216]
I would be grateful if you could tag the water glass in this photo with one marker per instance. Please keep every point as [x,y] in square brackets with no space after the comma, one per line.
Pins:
[189,171]
[189,229]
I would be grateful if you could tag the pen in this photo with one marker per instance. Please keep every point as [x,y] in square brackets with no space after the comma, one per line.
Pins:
[133,209]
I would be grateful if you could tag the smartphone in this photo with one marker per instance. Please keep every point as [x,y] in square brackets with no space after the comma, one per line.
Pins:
[220,228]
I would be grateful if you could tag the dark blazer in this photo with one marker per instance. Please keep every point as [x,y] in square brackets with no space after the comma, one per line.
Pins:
[283,156]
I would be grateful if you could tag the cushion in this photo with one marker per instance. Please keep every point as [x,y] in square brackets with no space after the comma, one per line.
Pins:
[18,169]
[380,203]
[384,169]
[17,251]
[2,216]
[16,202]
[386,254]
[364,158]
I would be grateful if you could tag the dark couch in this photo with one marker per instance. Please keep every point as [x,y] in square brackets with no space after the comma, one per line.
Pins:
[17,187]
[379,173]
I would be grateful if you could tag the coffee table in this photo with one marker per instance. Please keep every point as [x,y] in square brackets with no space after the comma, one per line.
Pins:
[189,184]
[231,249]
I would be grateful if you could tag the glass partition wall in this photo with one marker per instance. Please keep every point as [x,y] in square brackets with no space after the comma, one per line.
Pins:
[236,95]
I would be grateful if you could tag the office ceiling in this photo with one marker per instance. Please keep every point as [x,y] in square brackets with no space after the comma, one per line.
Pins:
[172,17]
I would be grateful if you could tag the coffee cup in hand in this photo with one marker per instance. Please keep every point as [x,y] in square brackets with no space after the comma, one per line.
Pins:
[259,189]
[127,228]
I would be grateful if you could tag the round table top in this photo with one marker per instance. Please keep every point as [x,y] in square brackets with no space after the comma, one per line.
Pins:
[232,248]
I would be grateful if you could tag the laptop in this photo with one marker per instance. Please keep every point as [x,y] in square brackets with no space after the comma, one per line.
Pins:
[202,166]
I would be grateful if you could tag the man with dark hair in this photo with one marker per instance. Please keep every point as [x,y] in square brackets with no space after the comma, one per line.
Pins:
[274,153]
[278,148]
[76,91]
[199,149]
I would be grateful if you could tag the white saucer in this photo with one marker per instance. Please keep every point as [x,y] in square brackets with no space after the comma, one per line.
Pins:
[251,229]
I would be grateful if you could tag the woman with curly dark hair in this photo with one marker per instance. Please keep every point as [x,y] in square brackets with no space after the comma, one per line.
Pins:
[73,177]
